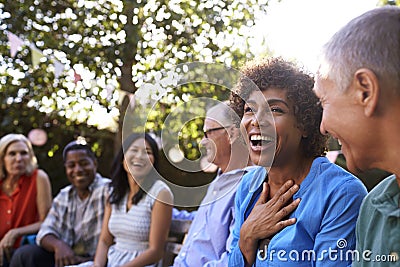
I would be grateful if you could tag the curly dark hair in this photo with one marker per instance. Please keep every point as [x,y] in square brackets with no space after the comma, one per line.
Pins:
[119,176]
[277,73]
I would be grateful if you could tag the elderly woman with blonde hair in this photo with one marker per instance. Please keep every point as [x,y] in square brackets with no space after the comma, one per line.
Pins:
[25,193]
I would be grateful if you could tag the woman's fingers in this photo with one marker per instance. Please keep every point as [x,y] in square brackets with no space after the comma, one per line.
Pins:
[269,216]
[286,210]
[264,194]
[284,194]
[282,224]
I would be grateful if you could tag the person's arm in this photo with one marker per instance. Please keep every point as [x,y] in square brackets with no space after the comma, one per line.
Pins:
[44,198]
[159,228]
[360,247]
[235,256]
[223,258]
[63,253]
[337,234]
[43,203]
[266,219]
[53,229]
[105,241]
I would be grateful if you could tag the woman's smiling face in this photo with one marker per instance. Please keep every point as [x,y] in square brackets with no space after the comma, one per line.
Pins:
[139,159]
[271,127]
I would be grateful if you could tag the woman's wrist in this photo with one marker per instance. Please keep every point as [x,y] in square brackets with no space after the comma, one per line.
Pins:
[247,240]
[247,234]
[15,232]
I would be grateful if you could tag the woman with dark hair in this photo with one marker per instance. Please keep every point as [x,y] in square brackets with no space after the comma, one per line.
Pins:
[119,177]
[298,207]
[139,209]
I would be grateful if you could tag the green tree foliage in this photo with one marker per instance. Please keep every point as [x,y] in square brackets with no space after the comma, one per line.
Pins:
[389,2]
[116,46]
[108,41]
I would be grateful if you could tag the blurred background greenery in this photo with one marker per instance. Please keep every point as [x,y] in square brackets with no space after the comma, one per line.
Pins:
[110,53]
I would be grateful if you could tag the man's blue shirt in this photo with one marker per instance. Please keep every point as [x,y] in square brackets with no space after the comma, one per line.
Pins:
[210,235]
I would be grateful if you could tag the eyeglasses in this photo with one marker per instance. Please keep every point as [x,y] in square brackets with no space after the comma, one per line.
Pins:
[206,133]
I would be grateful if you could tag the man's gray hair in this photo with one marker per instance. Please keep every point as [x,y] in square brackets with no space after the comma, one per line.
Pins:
[370,41]
[223,114]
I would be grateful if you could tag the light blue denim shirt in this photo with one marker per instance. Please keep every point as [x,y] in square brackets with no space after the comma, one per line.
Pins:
[210,235]
[326,219]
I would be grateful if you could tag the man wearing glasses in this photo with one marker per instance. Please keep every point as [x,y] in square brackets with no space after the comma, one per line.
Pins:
[209,236]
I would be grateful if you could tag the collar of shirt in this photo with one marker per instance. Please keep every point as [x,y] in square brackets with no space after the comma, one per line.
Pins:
[223,184]
[387,201]
[260,173]
[92,186]
[223,180]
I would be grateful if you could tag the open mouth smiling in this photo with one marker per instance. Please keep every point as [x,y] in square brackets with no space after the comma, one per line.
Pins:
[258,141]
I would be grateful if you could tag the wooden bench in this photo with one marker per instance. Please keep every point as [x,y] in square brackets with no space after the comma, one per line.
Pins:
[177,234]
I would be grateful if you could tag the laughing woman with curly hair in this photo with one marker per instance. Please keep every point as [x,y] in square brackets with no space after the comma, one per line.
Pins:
[297,201]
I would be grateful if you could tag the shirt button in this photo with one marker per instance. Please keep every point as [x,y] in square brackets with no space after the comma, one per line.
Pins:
[215,192]
[9,211]
[395,256]
[195,234]
[183,254]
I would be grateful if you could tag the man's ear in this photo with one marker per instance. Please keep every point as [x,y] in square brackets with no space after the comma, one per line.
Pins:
[233,133]
[367,90]
[95,163]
